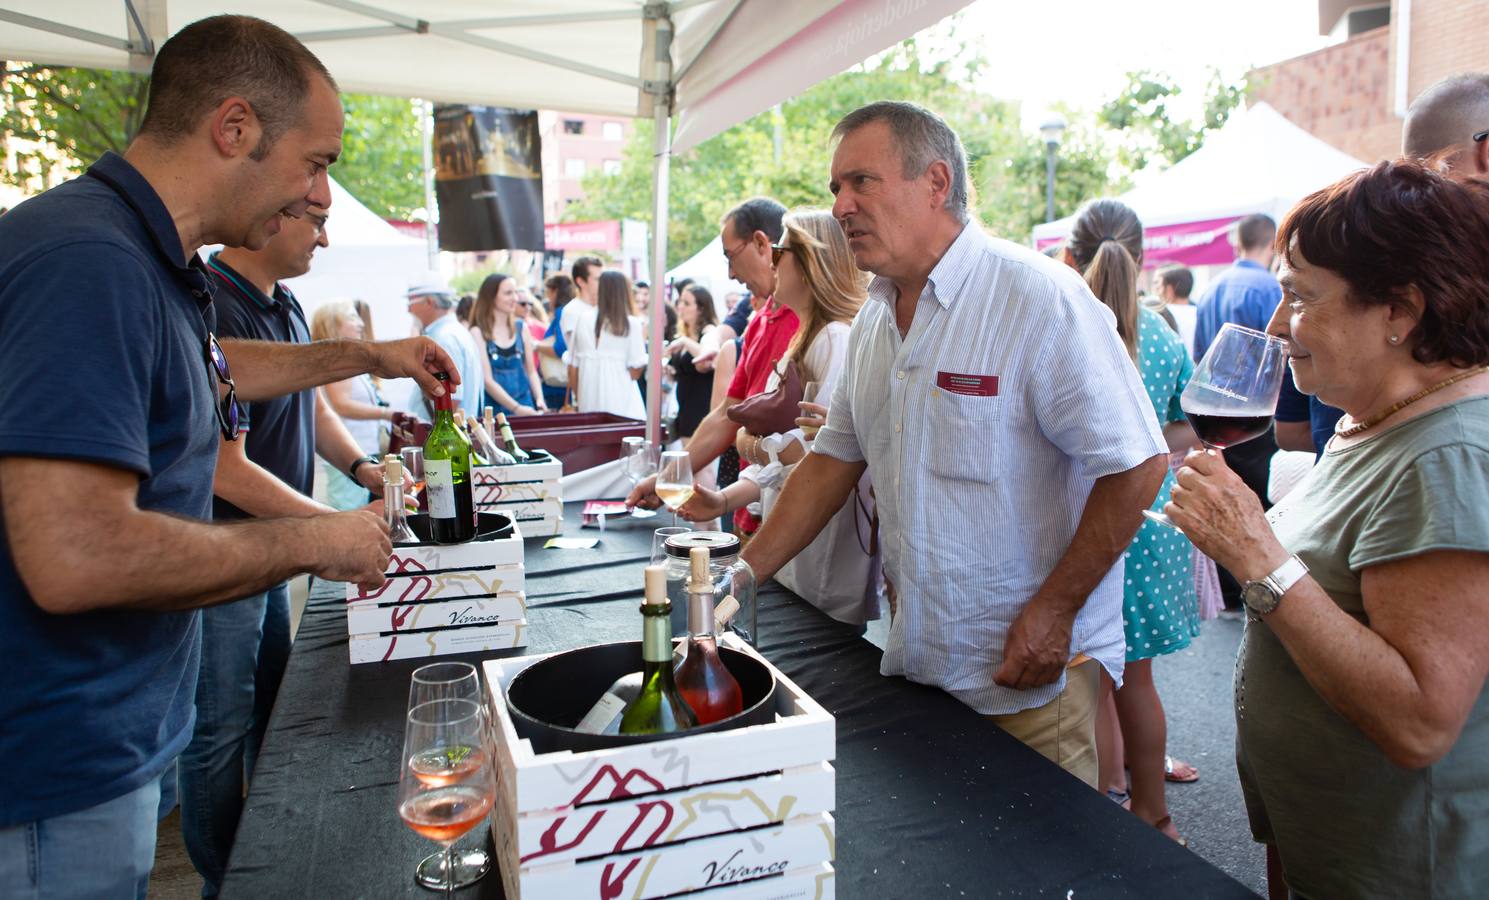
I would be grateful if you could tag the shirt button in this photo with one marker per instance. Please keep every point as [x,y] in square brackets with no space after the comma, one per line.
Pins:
[900,375]
[897,427]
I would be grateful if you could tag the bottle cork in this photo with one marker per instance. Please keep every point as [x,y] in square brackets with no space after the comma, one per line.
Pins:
[392,469]
[725,611]
[656,585]
[698,569]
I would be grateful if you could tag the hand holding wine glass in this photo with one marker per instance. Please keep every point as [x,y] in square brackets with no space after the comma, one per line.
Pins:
[1233,393]
[675,480]
[640,459]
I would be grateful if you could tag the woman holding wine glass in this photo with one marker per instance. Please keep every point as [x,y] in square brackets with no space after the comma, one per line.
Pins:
[1159,612]
[1362,724]
[816,279]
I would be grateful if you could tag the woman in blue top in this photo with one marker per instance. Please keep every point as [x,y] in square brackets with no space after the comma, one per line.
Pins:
[511,378]
[1160,611]
[555,372]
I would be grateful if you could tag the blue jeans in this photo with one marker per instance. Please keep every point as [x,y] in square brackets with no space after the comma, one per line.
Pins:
[104,851]
[245,645]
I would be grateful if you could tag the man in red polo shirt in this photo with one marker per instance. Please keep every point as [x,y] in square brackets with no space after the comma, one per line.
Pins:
[747,232]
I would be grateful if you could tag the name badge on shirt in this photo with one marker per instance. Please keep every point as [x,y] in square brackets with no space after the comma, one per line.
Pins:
[971,385]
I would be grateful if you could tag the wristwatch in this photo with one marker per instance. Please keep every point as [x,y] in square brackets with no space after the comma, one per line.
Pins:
[1261,597]
[358,463]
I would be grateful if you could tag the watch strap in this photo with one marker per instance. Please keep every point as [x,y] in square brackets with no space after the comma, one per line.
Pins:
[358,463]
[1286,575]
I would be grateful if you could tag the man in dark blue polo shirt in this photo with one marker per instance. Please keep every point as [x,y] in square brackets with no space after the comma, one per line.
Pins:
[112,396]
[269,472]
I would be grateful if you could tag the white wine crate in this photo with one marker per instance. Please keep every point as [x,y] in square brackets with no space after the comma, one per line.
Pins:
[371,617]
[415,586]
[655,819]
[424,561]
[365,648]
[529,481]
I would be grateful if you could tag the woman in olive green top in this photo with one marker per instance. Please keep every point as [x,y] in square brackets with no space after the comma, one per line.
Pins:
[1362,723]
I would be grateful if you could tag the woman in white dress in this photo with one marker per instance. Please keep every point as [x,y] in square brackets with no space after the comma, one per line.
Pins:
[817,280]
[609,353]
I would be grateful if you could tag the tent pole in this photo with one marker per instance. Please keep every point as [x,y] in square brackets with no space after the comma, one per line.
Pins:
[431,240]
[660,86]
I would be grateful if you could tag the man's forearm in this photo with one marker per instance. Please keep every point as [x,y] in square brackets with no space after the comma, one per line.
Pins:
[713,436]
[266,369]
[1107,526]
[816,489]
[255,490]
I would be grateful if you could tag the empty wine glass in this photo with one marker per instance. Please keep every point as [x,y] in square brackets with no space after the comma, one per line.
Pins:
[639,458]
[675,480]
[413,464]
[659,542]
[445,681]
[1233,393]
[447,785]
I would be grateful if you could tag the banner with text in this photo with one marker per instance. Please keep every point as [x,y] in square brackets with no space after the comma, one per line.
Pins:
[1204,243]
[488,175]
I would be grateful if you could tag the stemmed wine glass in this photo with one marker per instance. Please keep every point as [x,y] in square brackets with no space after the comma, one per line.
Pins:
[639,458]
[447,785]
[1233,394]
[675,480]
[413,464]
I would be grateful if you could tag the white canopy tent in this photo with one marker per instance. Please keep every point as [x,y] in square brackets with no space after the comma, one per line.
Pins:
[709,268]
[1258,162]
[711,62]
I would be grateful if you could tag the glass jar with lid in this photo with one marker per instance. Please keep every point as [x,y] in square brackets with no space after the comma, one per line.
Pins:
[723,553]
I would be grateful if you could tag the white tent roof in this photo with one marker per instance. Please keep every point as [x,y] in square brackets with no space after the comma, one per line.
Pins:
[574,55]
[1258,162]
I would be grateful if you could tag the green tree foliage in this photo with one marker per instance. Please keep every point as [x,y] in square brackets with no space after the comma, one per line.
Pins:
[785,153]
[382,156]
[68,116]
[1149,132]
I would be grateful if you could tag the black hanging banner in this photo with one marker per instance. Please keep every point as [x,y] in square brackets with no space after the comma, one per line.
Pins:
[488,176]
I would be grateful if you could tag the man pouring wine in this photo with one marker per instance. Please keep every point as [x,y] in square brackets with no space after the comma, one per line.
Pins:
[1008,435]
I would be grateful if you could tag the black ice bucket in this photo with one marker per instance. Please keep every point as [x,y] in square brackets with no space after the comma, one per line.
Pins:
[549,697]
[489,527]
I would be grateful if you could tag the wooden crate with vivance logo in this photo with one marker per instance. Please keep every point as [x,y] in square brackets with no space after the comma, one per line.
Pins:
[530,493]
[743,814]
[440,599]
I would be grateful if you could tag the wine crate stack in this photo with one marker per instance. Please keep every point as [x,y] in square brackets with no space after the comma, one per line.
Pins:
[529,493]
[441,599]
[743,814]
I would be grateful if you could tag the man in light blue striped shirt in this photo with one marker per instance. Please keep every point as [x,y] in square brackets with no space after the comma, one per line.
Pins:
[1011,444]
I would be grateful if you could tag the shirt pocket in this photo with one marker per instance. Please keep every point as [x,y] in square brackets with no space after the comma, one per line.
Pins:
[961,436]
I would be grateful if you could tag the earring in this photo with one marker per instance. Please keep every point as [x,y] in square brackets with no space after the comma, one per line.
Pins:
[1395,338]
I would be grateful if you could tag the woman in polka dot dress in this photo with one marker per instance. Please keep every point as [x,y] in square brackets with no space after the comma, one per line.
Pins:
[1160,612]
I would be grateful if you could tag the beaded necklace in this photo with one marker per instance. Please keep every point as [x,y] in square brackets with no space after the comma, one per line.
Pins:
[1343,430]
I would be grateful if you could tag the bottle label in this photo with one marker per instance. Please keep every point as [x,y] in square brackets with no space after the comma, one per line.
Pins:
[600,716]
[439,485]
[656,640]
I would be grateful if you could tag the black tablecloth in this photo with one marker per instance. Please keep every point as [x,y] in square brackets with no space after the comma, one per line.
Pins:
[932,800]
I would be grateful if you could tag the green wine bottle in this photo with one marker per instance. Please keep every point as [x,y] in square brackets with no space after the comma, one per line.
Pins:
[452,509]
[659,708]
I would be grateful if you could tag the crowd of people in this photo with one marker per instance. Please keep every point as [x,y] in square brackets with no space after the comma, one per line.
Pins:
[902,407]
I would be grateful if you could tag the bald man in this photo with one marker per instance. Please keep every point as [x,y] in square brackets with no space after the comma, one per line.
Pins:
[1451,115]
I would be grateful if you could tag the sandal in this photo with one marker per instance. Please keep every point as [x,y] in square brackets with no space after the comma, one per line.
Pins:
[1166,826]
[1121,798]
[1178,771]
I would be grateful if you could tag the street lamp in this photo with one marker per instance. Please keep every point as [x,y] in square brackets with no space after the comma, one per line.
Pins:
[1051,131]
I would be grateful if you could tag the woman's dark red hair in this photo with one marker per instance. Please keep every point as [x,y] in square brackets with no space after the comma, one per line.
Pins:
[1406,223]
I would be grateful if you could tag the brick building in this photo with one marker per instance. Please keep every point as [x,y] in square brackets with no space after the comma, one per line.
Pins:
[573,146]
[1355,93]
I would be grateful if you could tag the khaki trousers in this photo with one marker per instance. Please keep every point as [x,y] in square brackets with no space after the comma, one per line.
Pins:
[1064,729]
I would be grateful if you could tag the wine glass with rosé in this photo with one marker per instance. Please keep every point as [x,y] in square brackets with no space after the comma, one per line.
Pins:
[447,785]
[1233,393]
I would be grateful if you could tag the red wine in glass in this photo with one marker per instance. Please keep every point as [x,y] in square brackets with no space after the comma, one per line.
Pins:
[1226,429]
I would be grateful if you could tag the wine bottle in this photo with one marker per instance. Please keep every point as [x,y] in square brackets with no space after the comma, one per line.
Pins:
[705,682]
[509,440]
[393,508]
[481,436]
[452,509]
[659,708]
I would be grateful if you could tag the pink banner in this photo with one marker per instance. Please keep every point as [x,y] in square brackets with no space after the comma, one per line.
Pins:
[1204,243]
[582,235]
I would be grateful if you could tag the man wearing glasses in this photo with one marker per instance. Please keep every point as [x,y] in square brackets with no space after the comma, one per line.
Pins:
[113,393]
[1452,115]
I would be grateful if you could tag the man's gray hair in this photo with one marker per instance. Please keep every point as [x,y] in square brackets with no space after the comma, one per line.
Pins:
[1446,115]
[443,301]
[922,137]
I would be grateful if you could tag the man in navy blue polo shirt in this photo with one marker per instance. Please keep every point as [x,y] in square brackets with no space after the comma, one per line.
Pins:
[113,392]
[269,472]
